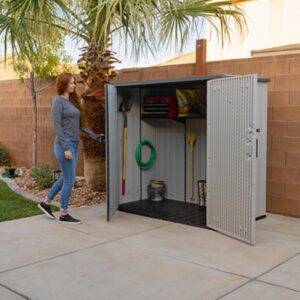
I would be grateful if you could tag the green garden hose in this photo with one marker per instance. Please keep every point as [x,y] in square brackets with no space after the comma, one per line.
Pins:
[145,165]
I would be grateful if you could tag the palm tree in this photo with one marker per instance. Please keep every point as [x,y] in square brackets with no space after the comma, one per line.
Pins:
[145,25]
[35,55]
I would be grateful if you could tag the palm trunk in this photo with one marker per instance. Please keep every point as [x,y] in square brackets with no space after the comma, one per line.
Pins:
[96,70]
[94,152]
[94,173]
[34,119]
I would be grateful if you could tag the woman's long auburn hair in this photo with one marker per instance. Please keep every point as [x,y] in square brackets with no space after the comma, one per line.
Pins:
[62,83]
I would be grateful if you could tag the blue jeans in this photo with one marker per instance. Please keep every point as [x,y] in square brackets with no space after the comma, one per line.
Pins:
[68,167]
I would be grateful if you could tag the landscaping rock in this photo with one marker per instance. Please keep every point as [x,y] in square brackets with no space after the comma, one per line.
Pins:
[80,181]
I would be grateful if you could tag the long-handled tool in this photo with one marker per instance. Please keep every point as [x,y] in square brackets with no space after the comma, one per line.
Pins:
[125,107]
[191,138]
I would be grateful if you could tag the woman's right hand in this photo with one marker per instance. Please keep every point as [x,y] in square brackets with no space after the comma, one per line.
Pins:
[68,154]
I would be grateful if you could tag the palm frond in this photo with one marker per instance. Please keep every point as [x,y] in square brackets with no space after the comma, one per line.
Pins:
[26,25]
[149,25]
[132,20]
[178,18]
[142,26]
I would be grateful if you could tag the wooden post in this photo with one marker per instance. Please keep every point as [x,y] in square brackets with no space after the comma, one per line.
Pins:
[200,57]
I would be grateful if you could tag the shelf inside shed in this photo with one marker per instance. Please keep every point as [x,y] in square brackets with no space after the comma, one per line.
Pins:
[178,119]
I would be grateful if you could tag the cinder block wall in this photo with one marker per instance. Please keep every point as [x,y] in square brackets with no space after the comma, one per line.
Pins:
[283,192]
[16,124]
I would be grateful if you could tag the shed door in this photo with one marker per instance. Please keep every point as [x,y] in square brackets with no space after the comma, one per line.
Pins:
[231,156]
[111,135]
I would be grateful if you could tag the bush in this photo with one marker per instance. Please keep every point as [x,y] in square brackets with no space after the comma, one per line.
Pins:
[43,176]
[4,157]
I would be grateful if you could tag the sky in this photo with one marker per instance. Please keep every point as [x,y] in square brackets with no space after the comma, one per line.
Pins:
[72,47]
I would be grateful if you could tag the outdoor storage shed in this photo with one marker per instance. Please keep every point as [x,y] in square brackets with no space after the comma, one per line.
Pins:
[229,152]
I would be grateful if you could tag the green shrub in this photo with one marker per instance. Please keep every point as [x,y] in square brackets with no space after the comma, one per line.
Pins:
[43,176]
[4,157]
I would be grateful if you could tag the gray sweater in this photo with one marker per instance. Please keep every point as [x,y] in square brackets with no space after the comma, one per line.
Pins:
[66,121]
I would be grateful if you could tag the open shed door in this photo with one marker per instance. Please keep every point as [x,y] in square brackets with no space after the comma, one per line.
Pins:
[231,139]
[111,139]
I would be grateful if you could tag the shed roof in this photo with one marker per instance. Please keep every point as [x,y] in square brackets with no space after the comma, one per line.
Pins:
[190,79]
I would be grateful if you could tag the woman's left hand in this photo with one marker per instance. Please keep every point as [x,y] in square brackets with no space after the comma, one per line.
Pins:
[101,137]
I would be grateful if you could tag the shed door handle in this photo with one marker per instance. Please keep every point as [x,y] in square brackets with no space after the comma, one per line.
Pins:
[256,148]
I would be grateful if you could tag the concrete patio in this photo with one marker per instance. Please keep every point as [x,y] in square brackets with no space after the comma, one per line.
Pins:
[135,257]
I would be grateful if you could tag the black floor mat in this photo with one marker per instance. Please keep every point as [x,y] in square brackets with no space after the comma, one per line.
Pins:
[169,210]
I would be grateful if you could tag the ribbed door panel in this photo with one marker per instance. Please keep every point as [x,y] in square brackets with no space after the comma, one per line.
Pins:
[231,155]
[112,150]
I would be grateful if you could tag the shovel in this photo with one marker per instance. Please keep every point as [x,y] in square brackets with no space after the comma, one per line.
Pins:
[191,138]
[125,107]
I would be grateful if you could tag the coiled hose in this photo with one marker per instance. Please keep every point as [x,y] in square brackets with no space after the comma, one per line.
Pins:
[145,165]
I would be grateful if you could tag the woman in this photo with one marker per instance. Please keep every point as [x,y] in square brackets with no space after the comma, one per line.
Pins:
[66,117]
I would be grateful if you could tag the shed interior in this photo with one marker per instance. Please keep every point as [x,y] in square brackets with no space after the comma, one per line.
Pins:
[173,159]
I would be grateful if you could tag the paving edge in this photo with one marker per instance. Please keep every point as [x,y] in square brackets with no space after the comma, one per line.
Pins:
[14,187]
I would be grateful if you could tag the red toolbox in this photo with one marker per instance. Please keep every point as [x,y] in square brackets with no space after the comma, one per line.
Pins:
[160,105]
